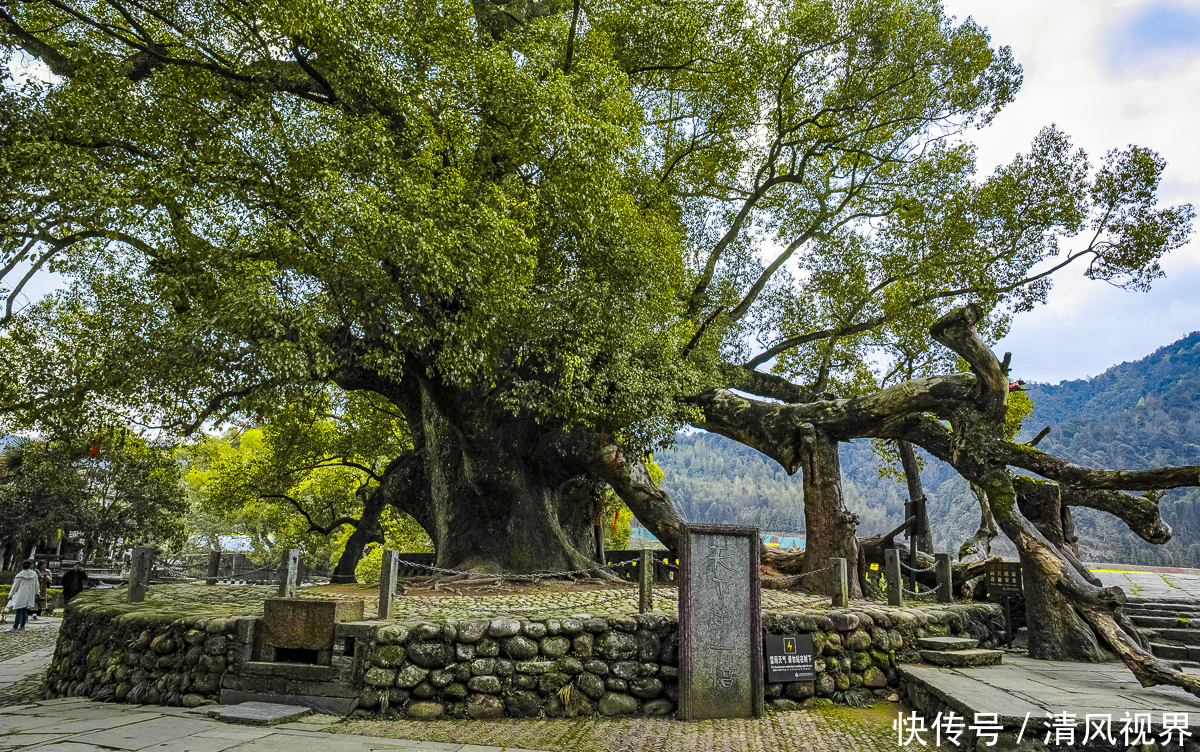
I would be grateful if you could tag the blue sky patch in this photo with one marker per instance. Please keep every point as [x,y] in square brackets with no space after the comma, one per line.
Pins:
[1153,39]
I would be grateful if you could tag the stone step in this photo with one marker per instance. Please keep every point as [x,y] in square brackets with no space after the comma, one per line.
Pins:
[963,658]
[1139,604]
[1186,653]
[1188,619]
[1163,612]
[1164,622]
[1181,636]
[947,643]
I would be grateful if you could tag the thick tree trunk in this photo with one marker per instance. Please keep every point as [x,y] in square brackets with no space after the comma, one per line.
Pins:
[496,493]
[1062,634]
[829,526]
[368,530]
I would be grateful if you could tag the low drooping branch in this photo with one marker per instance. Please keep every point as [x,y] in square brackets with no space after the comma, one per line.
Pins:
[631,481]
[1076,476]
[313,527]
[1140,513]
[771,428]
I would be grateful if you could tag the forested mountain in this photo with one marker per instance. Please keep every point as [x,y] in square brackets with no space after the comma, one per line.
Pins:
[1133,416]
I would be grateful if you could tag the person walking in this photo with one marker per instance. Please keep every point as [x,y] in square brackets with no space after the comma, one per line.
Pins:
[23,595]
[73,582]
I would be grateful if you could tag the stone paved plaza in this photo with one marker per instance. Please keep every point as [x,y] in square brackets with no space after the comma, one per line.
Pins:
[1150,582]
[1022,686]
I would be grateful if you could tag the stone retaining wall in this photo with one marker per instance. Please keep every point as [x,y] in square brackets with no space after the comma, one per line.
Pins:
[485,668]
[141,658]
[861,647]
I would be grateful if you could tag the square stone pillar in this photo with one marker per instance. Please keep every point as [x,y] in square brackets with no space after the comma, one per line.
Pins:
[214,567]
[891,572]
[841,596]
[139,573]
[287,575]
[720,623]
[646,582]
[387,582]
[945,578]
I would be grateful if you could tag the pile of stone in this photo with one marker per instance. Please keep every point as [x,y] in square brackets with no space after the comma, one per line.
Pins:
[481,669]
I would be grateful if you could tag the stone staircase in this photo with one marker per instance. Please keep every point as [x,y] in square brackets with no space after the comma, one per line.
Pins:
[1171,625]
[957,652]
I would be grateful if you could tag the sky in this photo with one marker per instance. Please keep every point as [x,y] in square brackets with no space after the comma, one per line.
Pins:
[1108,74]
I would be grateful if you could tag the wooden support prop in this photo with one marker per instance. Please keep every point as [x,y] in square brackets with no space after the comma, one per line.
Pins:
[646,582]
[945,578]
[388,575]
[600,553]
[214,567]
[287,575]
[139,573]
[841,596]
[895,584]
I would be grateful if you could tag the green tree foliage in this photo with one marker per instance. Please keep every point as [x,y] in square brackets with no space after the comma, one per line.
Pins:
[299,479]
[128,494]
[434,202]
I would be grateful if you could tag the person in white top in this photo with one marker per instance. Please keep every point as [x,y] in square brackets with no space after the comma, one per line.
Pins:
[23,596]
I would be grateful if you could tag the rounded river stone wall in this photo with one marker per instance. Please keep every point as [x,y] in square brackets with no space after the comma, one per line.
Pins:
[141,657]
[553,666]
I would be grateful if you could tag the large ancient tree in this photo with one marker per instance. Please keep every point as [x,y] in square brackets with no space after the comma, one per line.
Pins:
[532,229]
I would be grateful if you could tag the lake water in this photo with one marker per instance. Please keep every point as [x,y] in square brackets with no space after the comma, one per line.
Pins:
[783,540]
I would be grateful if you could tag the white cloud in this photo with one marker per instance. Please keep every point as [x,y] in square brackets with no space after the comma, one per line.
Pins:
[1109,74]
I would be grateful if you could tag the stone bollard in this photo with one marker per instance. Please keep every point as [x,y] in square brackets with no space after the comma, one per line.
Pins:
[214,567]
[892,573]
[945,578]
[287,575]
[646,582]
[841,592]
[139,573]
[387,582]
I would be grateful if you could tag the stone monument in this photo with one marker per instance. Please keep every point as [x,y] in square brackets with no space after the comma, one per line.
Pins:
[140,565]
[287,575]
[388,574]
[720,623]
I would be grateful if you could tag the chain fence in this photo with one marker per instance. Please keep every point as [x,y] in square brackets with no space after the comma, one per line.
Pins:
[802,574]
[929,568]
[931,591]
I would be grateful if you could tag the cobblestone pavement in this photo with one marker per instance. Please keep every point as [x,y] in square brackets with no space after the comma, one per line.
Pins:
[24,657]
[39,633]
[829,729]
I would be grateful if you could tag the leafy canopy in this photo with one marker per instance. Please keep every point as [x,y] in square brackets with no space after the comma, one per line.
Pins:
[299,479]
[258,198]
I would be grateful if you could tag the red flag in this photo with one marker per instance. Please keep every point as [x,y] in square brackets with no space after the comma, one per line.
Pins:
[615,516]
[95,449]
